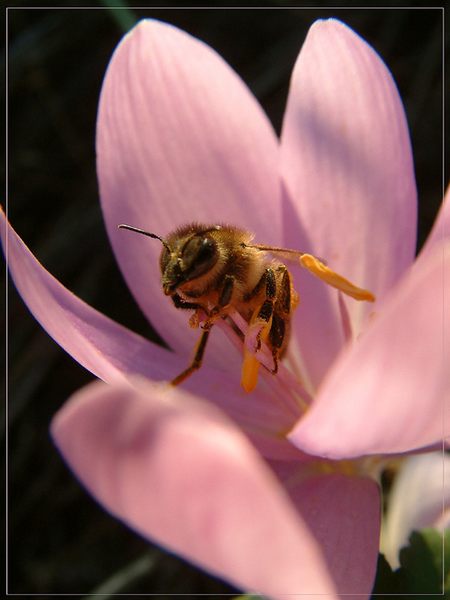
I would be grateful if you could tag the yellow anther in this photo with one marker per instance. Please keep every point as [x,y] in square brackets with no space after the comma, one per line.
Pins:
[250,364]
[250,368]
[317,268]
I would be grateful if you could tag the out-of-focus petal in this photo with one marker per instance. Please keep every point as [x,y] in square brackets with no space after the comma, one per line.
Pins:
[419,498]
[113,352]
[391,391]
[180,138]
[344,514]
[347,166]
[179,473]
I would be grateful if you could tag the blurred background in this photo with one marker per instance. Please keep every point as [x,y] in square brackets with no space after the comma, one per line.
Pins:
[60,540]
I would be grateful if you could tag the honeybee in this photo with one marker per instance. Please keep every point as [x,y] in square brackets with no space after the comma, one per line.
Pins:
[215,270]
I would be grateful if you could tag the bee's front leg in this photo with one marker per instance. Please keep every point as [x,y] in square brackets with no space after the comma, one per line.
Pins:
[225,295]
[194,319]
[215,313]
[196,361]
[180,303]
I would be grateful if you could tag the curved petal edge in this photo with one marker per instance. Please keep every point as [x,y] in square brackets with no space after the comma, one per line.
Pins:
[175,470]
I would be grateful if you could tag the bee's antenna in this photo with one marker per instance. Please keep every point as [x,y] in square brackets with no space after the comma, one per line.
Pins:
[152,235]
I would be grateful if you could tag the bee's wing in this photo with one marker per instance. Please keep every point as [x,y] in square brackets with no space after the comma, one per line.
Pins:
[286,253]
[318,267]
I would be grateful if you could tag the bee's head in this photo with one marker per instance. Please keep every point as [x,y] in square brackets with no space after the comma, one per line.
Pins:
[183,258]
[187,259]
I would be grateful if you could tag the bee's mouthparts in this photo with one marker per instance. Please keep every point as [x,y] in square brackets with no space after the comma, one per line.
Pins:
[169,289]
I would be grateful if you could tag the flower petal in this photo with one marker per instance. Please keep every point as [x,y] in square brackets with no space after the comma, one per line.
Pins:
[113,352]
[102,346]
[347,528]
[390,392]
[180,138]
[347,165]
[179,473]
[409,508]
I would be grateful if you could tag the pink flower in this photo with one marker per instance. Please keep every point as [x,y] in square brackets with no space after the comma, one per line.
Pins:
[253,489]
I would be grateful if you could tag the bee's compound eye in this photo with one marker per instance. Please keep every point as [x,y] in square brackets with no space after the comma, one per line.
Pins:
[199,256]
[164,259]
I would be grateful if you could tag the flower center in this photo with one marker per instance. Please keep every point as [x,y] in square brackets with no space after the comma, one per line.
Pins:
[255,353]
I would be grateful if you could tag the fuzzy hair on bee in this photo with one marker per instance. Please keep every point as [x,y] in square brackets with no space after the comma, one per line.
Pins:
[214,270]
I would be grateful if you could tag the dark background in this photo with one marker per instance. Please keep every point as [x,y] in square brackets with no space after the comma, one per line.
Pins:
[60,541]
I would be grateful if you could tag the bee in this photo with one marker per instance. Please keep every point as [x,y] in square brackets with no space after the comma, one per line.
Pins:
[215,270]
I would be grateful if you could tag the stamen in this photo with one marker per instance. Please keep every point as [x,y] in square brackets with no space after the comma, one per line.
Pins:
[292,395]
[250,364]
[345,319]
[317,268]
[250,368]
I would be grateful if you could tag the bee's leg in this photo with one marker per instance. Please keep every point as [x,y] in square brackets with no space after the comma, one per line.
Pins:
[227,291]
[194,319]
[276,336]
[224,299]
[196,361]
[268,282]
[225,295]
[261,320]
[287,301]
[263,315]
[180,303]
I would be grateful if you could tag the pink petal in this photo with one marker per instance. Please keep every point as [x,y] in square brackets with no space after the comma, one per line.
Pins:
[102,346]
[390,392]
[179,473]
[112,352]
[180,138]
[419,498]
[347,165]
[344,514]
